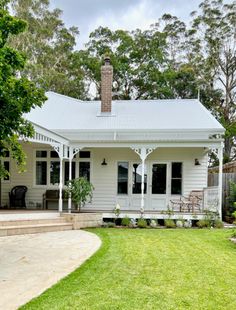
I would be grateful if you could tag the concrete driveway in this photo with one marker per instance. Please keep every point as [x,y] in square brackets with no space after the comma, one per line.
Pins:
[29,264]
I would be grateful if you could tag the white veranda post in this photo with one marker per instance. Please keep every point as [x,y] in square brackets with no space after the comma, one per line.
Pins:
[220,175]
[72,153]
[60,151]
[143,154]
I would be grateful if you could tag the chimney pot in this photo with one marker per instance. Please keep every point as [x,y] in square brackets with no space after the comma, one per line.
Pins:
[107,60]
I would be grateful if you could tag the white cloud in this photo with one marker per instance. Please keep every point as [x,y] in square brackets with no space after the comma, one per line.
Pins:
[88,15]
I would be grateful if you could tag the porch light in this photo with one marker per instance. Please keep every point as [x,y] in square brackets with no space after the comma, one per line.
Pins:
[196,162]
[104,162]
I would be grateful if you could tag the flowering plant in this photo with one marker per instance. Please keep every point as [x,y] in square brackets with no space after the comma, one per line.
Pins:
[117,210]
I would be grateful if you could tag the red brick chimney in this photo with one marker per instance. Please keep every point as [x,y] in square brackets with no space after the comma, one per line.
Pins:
[106,86]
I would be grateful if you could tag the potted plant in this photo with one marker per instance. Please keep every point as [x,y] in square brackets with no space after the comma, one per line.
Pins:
[80,190]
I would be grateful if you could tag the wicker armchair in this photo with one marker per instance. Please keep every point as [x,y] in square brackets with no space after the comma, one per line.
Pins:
[17,196]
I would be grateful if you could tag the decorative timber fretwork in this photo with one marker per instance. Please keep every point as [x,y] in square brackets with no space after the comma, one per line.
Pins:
[40,138]
[143,152]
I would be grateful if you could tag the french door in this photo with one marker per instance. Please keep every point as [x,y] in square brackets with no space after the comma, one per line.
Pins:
[158,181]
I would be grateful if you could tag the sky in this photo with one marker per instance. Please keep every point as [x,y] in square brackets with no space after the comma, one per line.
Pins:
[88,15]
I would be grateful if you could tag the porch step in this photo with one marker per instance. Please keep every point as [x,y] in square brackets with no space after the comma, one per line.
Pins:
[21,227]
[31,222]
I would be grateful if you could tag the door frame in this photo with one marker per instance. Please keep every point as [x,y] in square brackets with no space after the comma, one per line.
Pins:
[159,197]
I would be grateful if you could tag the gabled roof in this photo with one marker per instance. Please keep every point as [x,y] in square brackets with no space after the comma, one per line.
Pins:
[153,120]
[64,113]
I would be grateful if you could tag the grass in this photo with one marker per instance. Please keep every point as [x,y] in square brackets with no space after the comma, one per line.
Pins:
[151,269]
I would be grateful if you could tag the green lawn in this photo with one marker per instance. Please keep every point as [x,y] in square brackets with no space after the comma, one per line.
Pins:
[151,269]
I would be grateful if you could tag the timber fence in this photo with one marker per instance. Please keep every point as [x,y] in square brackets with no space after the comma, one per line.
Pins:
[227,178]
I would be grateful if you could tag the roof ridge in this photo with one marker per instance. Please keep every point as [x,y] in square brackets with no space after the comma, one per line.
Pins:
[64,96]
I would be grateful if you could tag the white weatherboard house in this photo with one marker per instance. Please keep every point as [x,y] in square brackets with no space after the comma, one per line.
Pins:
[138,153]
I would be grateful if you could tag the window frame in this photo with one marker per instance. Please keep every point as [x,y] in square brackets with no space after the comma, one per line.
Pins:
[182,176]
[146,165]
[128,178]
[40,159]
[50,159]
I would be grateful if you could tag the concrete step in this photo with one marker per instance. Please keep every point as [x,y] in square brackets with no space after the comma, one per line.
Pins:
[32,222]
[33,229]
[27,215]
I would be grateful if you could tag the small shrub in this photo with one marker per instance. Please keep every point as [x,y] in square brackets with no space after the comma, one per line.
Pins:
[203,224]
[169,223]
[218,224]
[80,190]
[179,223]
[132,223]
[142,223]
[234,214]
[116,210]
[104,224]
[125,221]
[154,223]
[188,224]
[111,224]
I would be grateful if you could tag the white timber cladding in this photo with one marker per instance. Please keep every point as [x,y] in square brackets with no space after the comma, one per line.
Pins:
[104,178]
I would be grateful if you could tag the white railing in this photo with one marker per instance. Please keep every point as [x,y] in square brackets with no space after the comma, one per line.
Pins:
[211,199]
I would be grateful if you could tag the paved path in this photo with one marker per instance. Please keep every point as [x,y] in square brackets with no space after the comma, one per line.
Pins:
[29,264]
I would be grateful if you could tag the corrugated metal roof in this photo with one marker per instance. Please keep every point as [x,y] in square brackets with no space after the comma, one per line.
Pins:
[64,113]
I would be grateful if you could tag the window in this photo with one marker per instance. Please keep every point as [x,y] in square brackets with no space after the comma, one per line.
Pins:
[54,154]
[84,154]
[66,171]
[122,186]
[176,178]
[41,154]
[47,167]
[84,169]
[137,179]
[159,178]
[41,173]
[41,167]
[54,172]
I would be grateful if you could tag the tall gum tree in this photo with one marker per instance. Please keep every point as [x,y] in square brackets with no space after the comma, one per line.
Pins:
[18,95]
[213,51]
[49,47]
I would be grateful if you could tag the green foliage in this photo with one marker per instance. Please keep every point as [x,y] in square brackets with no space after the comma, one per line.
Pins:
[142,223]
[18,95]
[218,224]
[233,235]
[125,221]
[232,196]
[81,191]
[49,46]
[204,223]
[116,210]
[142,69]
[180,223]
[108,224]
[169,223]
[111,224]
[212,52]
[154,223]
[133,223]
[234,214]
